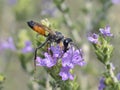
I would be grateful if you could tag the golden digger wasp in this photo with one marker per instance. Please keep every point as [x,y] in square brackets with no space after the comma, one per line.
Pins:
[51,36]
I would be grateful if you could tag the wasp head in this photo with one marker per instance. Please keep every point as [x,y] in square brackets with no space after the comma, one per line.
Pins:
[66,42]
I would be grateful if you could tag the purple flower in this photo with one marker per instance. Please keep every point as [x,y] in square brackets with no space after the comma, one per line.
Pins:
[101,84]
[118,76]
[12,2]
[93,38]
[65,73]
[73,57]
[48,61]
[69,59]
[9,44]
[115,1]
[28,47]
[51,11]
[56,51]
[105,31]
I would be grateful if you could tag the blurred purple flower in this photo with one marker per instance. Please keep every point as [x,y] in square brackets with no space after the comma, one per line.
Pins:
[65,74]
[48,61]
[73,57]
[115,1]
[12,2]
[9,44]
[51,11]
[118,76]
[93,38]
[101,84]
[106,31]
[28,47]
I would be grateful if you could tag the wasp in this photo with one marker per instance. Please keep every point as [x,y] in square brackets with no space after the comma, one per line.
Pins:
[51,37]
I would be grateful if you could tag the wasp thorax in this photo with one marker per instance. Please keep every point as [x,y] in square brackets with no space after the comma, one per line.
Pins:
[58,37]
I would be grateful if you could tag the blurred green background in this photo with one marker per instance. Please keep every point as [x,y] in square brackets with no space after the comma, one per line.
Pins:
[84,16]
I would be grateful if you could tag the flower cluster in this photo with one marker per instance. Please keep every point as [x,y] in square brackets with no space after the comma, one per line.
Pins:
[103,51]
[94,38]
[69,59]
[101,44]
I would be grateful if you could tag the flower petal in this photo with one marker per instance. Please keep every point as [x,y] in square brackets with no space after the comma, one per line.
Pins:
[93,38]
[65,74]
[106,31]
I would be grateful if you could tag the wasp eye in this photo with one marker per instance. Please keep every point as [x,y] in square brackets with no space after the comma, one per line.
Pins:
[31,23]
[67,41]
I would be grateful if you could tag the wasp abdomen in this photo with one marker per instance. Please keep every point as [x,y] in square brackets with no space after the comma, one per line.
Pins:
[36,27]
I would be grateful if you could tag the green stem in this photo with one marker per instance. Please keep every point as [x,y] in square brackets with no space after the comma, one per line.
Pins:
[110,70]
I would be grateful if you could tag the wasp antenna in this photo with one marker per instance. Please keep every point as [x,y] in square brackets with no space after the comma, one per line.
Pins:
[72,43]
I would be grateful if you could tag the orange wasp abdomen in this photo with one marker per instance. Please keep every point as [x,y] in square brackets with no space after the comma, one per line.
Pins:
[37,27]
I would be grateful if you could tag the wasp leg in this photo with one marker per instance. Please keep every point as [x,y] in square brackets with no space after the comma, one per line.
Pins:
[35,56]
